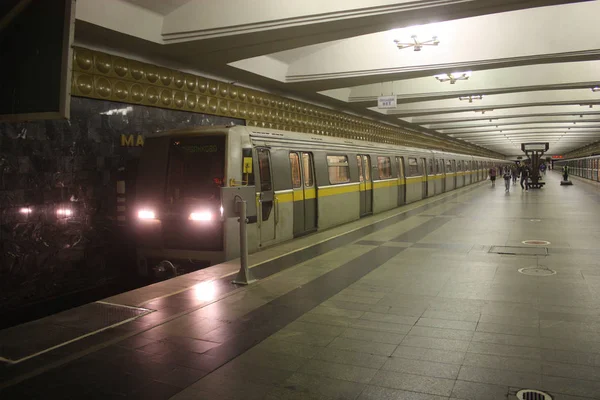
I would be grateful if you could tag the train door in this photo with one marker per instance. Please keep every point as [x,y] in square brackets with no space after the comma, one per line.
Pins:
[366,184]
[266,197]
[442,172]
[424,181]
[401,181]
[455,173]
[431,189]
[305,199]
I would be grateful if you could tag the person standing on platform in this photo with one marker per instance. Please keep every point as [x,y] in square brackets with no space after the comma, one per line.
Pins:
[565,173]
[493,176]
[543,169]
[507,176]
[514,171]
[525,178]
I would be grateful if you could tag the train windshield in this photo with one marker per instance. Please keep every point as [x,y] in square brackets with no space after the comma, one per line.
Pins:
[196,169]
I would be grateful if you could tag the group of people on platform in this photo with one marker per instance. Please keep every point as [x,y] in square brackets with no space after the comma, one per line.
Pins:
[513,173]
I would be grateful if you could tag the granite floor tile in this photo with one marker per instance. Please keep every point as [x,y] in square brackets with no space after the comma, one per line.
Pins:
[420,353]
[312,385]
[258,356]
[517,321]
[344,372]
[448,324]
[315,339]
[575,387]
[326,320]
[435,343]
[414,383]
[337,312]
[382,393]
[500,377]
[313,328]
[478,391]
[572,357]
[360,359]
[382,349]
[441,333]
[420,367]
[374,336]
[347,305]
[453,316]
[571,371]
[508,329]
[181,377]
[501,362]
[290,394]
[396,319]
[289,348]
[381,326]
[505,350]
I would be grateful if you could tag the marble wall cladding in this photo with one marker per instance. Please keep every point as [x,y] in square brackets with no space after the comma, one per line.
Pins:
[58,205]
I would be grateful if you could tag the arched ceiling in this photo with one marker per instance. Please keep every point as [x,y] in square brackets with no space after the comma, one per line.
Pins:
[532,65]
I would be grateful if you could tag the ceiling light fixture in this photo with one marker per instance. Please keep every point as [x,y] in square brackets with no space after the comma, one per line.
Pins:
[471,97]
[453,77]
[596,89]
[417,45]
[587,105]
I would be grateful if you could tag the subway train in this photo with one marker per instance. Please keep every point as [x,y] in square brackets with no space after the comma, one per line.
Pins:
[585,167]
[298,183]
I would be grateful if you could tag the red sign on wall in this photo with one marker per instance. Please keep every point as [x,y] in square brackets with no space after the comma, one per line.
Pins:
[558,157]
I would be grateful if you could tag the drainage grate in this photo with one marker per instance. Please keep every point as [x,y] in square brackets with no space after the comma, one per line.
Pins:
[531,394]
[519,250]
[537,271]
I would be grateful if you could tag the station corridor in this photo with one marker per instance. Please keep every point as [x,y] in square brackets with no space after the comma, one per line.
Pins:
[429,305]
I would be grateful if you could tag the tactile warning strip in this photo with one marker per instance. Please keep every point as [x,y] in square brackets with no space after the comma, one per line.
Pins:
[25,341]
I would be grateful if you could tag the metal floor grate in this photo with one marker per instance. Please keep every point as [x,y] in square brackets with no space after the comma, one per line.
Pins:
[25,341]
[531,394]
[519,251]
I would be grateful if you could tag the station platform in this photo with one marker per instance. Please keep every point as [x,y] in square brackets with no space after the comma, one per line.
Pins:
[441,299]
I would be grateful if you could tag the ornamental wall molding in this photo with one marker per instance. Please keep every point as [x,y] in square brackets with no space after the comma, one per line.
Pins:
[103,76]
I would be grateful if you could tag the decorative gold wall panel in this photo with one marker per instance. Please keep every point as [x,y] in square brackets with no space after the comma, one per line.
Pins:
[103,76]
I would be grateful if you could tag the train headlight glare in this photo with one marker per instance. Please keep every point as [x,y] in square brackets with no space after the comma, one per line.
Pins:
[25,210]
[64,212]
[146,214]
[201,216]
[221,210]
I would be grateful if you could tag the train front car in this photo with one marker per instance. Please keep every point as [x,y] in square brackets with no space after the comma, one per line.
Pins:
[178,214]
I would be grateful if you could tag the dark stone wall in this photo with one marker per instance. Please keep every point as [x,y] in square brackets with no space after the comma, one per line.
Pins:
[50,166]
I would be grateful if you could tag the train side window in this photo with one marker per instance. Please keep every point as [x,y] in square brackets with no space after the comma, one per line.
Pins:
[385,167]
[295,166]
[307,168]
[429,166]
[413,167]
[264,167]
[339,171]
[361,177]
[448,166]
[438,167]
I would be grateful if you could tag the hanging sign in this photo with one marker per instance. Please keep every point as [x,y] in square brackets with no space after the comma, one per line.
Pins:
[386,102]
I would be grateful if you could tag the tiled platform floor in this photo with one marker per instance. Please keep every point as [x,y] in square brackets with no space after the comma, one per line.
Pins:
[416,310]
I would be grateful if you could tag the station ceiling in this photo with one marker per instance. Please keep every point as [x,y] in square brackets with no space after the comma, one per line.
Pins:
[495,73]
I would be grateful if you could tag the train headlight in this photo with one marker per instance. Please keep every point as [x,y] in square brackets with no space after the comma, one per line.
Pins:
[201,216]
[26,210]
[64,212]
[146,214]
